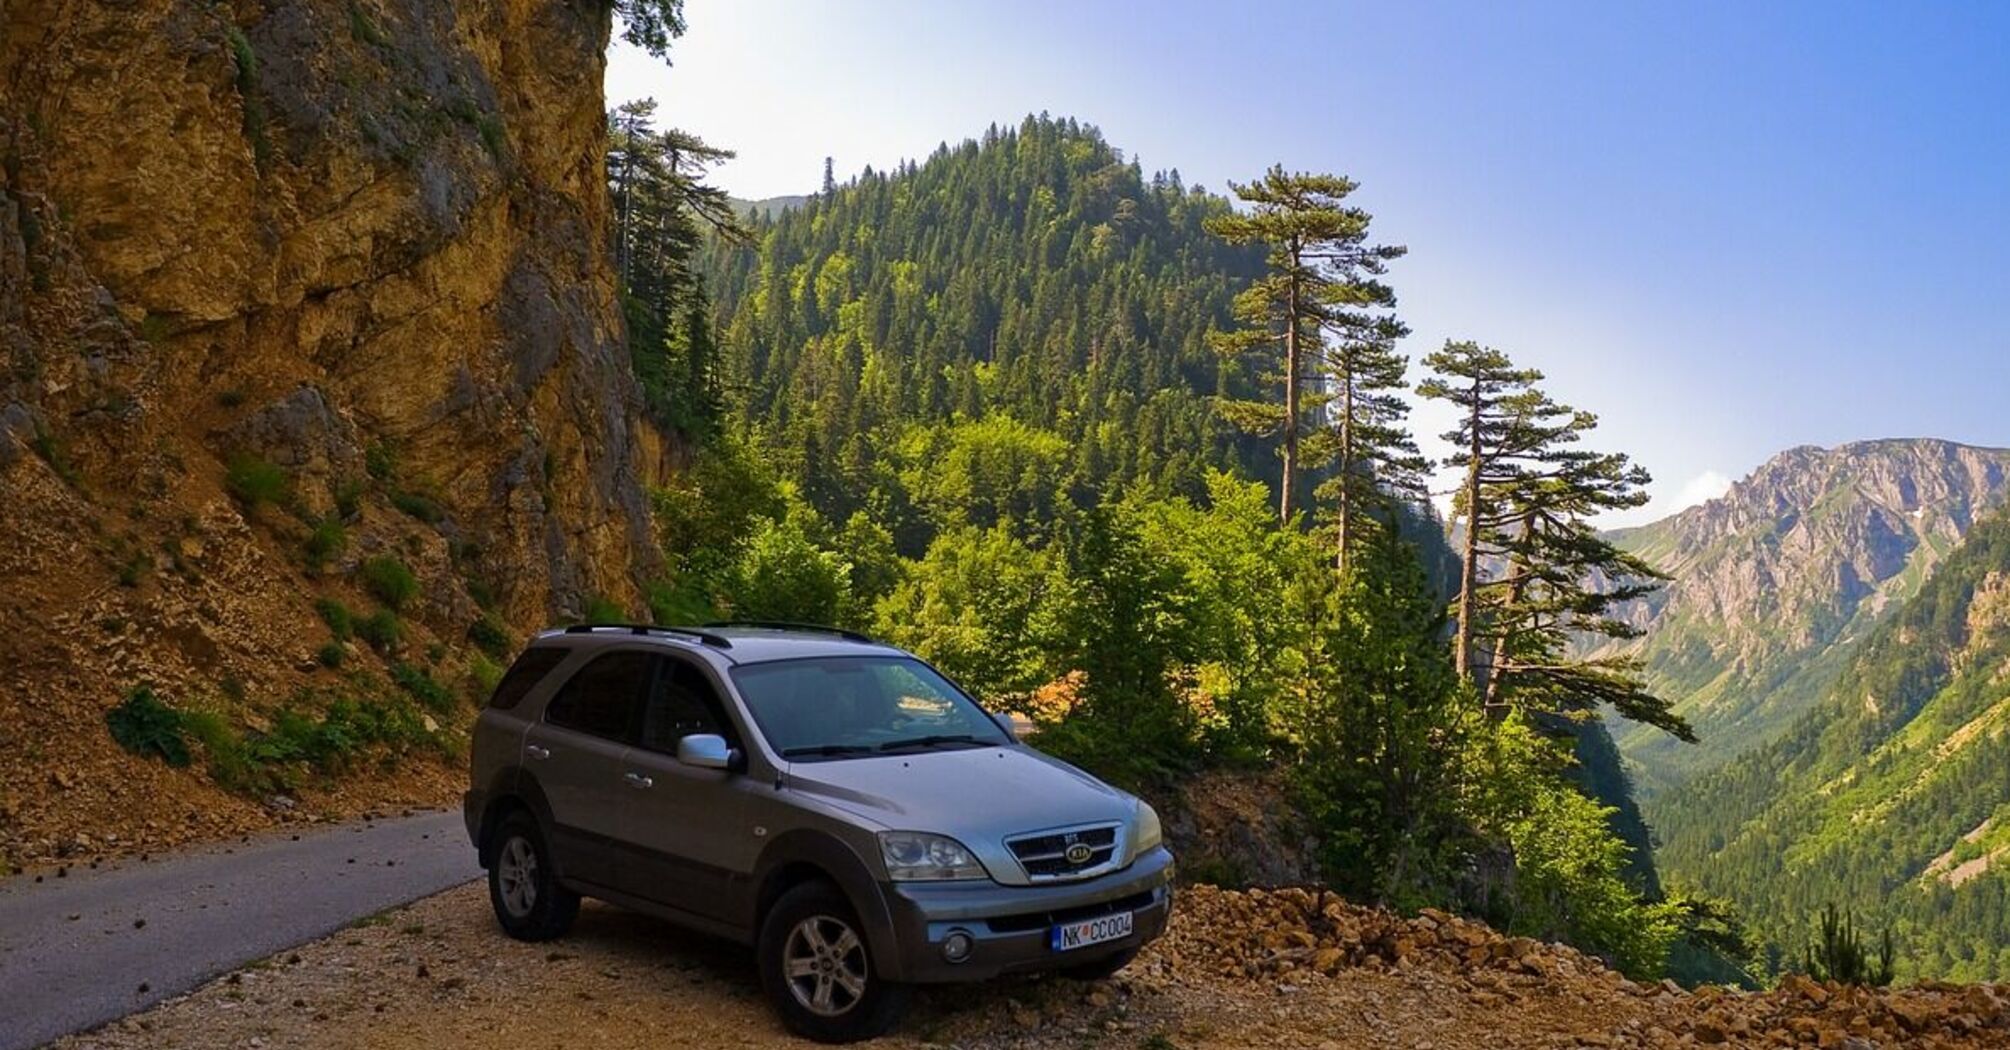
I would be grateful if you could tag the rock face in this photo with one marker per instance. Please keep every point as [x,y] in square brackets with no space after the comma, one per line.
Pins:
[1776,579]
[359,241]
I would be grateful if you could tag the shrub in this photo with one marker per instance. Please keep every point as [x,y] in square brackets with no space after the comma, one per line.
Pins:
[349,497]
[1839,953]
[341,622]
[419,505]
[331,655]
[602,609]
[484,675]
[145,726]
[491,636]
[255,481]
[424,687]
[381,630]
[391,581]
[230,761]
[326,541]
[380,461]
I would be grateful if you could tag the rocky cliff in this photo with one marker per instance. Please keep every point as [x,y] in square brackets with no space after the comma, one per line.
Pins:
[286,288]
[1774,582]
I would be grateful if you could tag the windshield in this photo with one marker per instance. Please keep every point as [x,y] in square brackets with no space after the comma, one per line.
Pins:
[838,707]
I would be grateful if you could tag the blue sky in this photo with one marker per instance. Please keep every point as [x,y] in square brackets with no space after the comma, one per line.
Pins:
[1728,229]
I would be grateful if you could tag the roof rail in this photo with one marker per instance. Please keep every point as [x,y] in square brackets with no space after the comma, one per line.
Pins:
[791,625]
[716,641]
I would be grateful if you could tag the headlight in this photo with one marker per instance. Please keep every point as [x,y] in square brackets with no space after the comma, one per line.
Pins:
[916,855]
[1145,831]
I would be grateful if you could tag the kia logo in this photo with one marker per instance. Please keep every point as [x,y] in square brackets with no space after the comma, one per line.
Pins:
[1079,853]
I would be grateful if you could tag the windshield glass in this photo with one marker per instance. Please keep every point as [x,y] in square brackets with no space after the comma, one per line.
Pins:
[838,707]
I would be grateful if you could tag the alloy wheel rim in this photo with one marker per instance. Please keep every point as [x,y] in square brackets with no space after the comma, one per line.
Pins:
[516,876]
[824,963]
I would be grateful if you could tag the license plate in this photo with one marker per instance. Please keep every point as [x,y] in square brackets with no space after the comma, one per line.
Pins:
[1093,931]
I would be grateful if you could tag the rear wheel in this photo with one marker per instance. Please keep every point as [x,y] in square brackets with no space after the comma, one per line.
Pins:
[818,971]
[523,886]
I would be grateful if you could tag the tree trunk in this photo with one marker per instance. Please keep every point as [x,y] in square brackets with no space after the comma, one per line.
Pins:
[1290,479]
[1469,571]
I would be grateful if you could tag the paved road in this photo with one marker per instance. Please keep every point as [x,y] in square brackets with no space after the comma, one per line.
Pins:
[79,951]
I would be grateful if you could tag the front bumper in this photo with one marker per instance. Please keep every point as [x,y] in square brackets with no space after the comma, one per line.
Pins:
[1010,925]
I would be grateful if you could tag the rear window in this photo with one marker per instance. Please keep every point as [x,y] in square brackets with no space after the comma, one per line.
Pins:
[523,676]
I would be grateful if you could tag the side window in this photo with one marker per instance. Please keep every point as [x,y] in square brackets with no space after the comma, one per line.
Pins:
[600,698]
[528,670]
[682,703]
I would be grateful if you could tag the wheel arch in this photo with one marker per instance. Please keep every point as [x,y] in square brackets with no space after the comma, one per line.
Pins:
[525,796]
[804,856]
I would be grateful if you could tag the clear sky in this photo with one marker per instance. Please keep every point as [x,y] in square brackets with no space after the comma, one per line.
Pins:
[1728,229]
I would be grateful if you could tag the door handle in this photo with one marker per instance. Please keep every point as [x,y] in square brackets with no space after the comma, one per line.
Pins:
[637,780]
[535,751]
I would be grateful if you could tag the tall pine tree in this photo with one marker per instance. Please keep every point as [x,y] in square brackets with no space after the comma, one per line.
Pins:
[1537,575]
[1320,282]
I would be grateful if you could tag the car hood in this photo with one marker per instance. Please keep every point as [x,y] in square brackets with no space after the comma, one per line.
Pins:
[978,796]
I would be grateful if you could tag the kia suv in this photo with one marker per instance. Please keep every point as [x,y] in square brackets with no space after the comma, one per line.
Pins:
[833,802]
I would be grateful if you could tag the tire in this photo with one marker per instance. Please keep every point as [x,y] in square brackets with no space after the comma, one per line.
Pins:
[817,969]
[1101,969]
[529,903]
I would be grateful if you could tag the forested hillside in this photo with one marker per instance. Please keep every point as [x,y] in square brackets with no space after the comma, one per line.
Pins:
[1891,797]
[1031,301]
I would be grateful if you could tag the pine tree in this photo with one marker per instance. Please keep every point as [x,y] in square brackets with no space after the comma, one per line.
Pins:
[1320,282]
[1374,459]
[1537,575]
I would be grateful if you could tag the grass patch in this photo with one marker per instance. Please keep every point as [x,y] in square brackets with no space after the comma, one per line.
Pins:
[484,675]
[246,61]
[327,540]
[602,609]
[419,505]
[390,581]
[146,727]
[364,28]
[154,328]
[382,630]
[341,622]
[57,455]
[254,481]
[423,687]
[490,635]
[331,655]
[349,497]
[380,461]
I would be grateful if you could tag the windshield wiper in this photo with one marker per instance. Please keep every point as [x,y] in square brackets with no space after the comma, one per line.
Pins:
[931,741]
[826,750]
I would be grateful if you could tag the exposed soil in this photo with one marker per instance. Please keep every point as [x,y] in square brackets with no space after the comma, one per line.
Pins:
[1252,970]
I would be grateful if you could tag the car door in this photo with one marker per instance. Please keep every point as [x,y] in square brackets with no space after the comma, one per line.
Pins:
[576,753]
[691,822]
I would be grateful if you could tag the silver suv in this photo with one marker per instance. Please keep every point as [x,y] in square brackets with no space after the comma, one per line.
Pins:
[834,802]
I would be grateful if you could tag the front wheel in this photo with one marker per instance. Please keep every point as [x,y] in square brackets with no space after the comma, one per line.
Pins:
[818,971]
[523,887]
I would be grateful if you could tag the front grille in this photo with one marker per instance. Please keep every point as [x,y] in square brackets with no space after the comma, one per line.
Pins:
[1040,920]
[1056,855]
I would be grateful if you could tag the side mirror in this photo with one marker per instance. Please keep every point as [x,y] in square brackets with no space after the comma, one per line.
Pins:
[706,751]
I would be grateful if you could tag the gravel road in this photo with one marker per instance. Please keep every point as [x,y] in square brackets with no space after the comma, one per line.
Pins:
[95,945]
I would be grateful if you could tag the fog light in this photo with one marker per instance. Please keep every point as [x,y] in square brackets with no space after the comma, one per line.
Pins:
[956,946]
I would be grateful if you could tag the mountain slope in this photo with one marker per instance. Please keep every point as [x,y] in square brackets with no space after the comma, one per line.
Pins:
[1775,582]
[1893,795]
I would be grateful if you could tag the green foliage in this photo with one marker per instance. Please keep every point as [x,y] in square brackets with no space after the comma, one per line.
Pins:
[364,28]
[52,451]
[380,461]
[246,62]
[389,580]
[327,539]
[382,630]
[146,727]
[418,505]
[492,636]
[785,575]
[256,481]
[331,655]
[983,607]
[651,24]
[424,687]
[340,621]
[600,608]
[1838,953]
